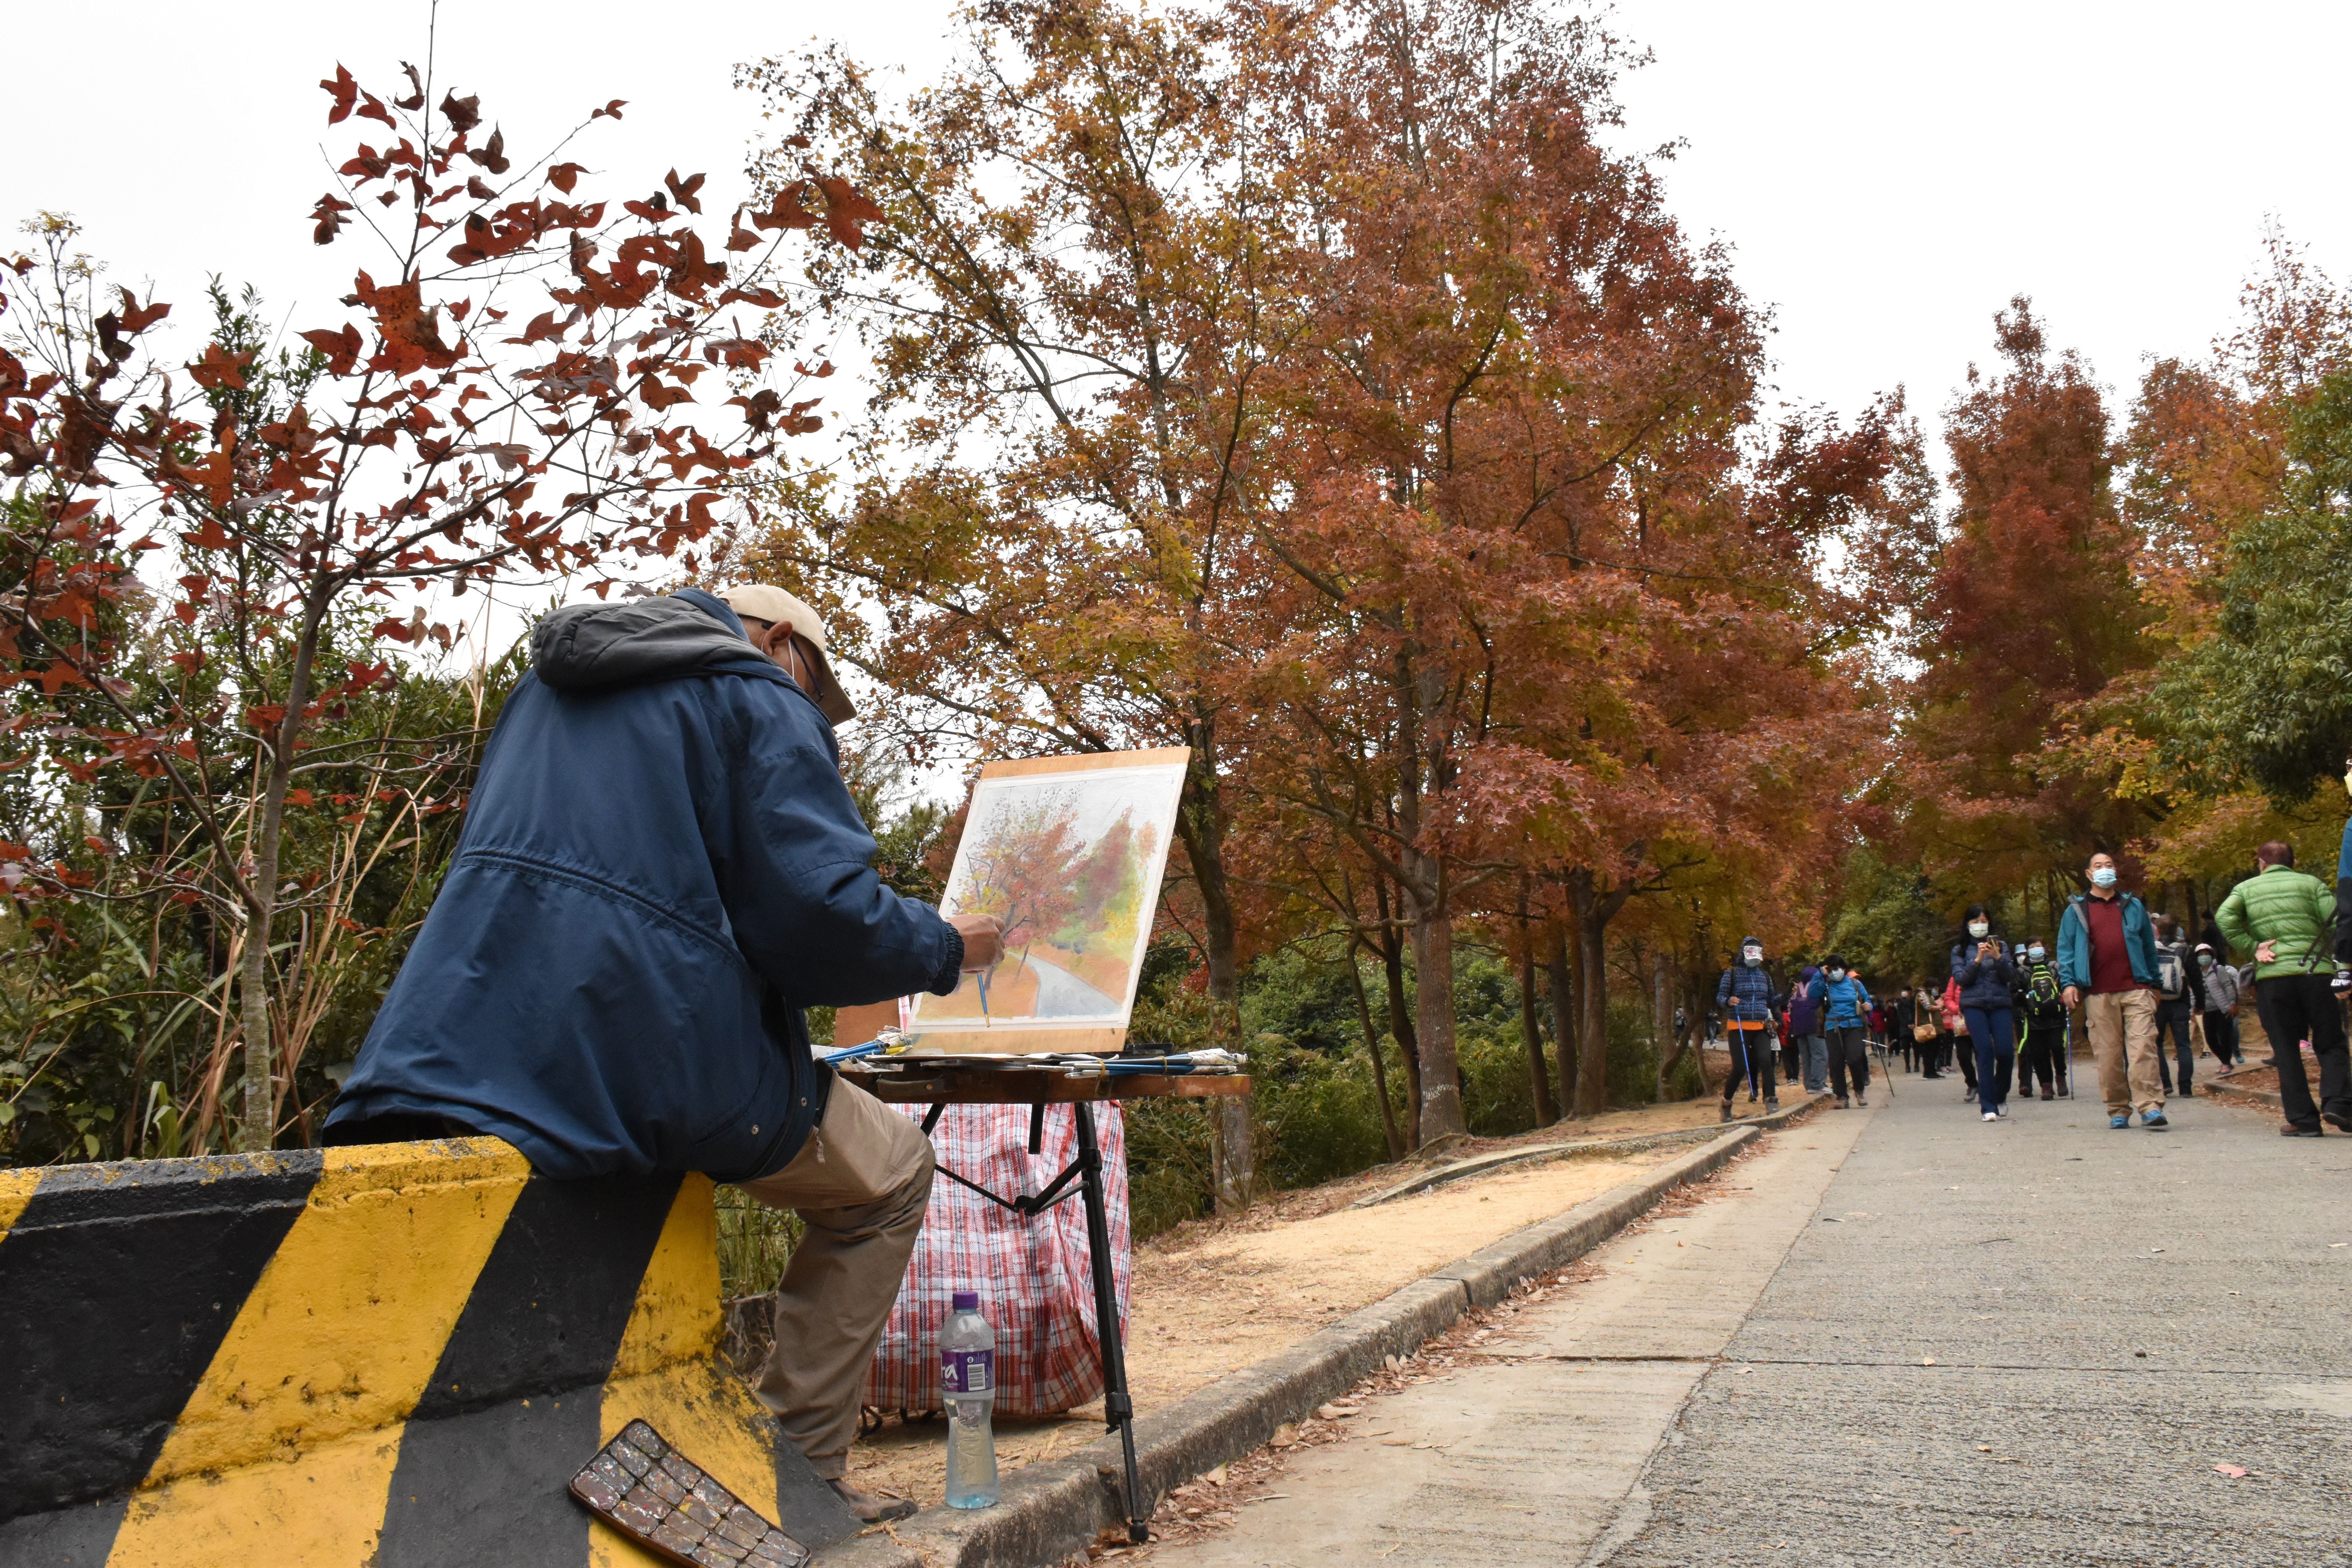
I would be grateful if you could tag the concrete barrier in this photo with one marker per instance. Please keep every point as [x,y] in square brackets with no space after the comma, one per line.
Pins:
[389,1356]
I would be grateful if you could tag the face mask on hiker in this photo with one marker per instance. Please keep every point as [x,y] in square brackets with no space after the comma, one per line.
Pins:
[1980,929]
[1837,975]
[1753,957]
[2036,952]
[2204,961]
[2103,876]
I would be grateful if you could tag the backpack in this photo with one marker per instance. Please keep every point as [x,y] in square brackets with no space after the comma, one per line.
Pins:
[1954,1020]
[2041,985]
[2170,977]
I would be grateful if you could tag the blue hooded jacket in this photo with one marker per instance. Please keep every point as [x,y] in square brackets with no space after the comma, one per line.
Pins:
[660,868]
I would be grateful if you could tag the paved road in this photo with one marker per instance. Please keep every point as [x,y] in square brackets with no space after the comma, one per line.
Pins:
[1911,1338]
[1062,995]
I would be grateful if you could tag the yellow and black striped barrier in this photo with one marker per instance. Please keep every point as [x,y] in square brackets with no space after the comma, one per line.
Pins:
[381,1357]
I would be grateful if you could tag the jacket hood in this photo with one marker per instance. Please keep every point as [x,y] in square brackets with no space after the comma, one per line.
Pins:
[593,647]
[1751,941]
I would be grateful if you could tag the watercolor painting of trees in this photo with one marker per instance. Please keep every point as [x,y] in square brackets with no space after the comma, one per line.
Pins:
[1068,852]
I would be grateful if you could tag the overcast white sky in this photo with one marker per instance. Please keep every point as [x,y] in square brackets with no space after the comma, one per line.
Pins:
[1889,174]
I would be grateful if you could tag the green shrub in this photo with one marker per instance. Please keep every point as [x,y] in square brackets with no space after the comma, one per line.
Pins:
[1318,1117]
[755,1242]
[1168,1176]
[1498,1100]
[1686,1082]
[1632,1056]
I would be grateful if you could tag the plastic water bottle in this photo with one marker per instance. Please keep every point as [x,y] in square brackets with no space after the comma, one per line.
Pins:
[968,1384]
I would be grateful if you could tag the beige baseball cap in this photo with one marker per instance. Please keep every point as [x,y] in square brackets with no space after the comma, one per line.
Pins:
[759,602]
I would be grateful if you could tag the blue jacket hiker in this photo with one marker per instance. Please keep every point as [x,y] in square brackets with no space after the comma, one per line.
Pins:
[1750,1009]
[1845,1000]
[1844,1006]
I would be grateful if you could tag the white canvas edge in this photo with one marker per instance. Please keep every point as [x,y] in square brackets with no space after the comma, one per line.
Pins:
[1147,908]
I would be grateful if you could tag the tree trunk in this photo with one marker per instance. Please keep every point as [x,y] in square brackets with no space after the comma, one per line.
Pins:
[257,1111]
[1389,1128]
[1408,1038]
[1563,1015]
[1661,1021]
[1594,910]
[1233,1142]
[1432,963]
[1538,1078]
[259,1118]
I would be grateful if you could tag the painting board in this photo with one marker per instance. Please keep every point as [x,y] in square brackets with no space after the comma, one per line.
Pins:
[1068,851]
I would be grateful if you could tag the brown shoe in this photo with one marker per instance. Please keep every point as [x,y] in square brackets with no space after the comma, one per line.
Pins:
[872,1507]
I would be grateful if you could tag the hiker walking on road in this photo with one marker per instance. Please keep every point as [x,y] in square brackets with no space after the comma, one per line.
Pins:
[1806,1042]
[1745,997]
[2220,1014]
[2288,919]
[1954,1019]
[2107,956]
[1845,1010]
[1983,969]
[1928,1031]
[2042,1024]
[2179,997]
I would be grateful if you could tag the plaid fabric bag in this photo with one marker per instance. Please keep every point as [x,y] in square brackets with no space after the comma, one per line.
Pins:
[1032,1274]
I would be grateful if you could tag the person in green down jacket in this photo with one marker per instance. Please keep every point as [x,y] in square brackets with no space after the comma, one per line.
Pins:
[2288,920]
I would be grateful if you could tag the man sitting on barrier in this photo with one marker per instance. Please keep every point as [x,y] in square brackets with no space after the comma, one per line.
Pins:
[661,867]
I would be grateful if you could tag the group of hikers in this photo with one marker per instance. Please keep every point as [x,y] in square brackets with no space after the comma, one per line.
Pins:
[2005,1012]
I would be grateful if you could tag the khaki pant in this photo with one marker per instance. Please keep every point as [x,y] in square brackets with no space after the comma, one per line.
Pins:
[861,1185]
[2122,1026]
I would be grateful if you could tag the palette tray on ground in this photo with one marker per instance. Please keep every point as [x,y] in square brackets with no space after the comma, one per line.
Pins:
[648,1491]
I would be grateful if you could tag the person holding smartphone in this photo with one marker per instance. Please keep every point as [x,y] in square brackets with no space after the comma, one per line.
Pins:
[1987,978]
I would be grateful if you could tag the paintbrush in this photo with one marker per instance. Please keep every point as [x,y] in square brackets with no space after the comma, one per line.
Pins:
[982,975]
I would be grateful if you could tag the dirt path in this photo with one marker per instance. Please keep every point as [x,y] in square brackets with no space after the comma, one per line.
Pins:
[1211,1298]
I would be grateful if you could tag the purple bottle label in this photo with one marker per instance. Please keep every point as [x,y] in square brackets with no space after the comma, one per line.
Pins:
[967,1372]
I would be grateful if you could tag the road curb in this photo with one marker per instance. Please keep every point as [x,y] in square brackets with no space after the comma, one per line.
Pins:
[1479,1166]
[2260,1096]
[1055,1507]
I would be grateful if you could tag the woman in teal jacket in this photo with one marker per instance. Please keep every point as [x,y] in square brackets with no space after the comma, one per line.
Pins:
[1845,1005]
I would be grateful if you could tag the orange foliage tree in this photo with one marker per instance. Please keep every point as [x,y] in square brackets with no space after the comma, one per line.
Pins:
[2032,606]
[1527,615]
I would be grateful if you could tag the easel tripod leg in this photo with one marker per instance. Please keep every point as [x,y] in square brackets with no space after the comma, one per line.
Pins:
[1119,1409]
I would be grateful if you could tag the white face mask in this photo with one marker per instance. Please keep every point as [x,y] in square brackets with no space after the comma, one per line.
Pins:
[1837,975]
[2036,954]
[1979,928]
[2103,876]
[1752,957]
